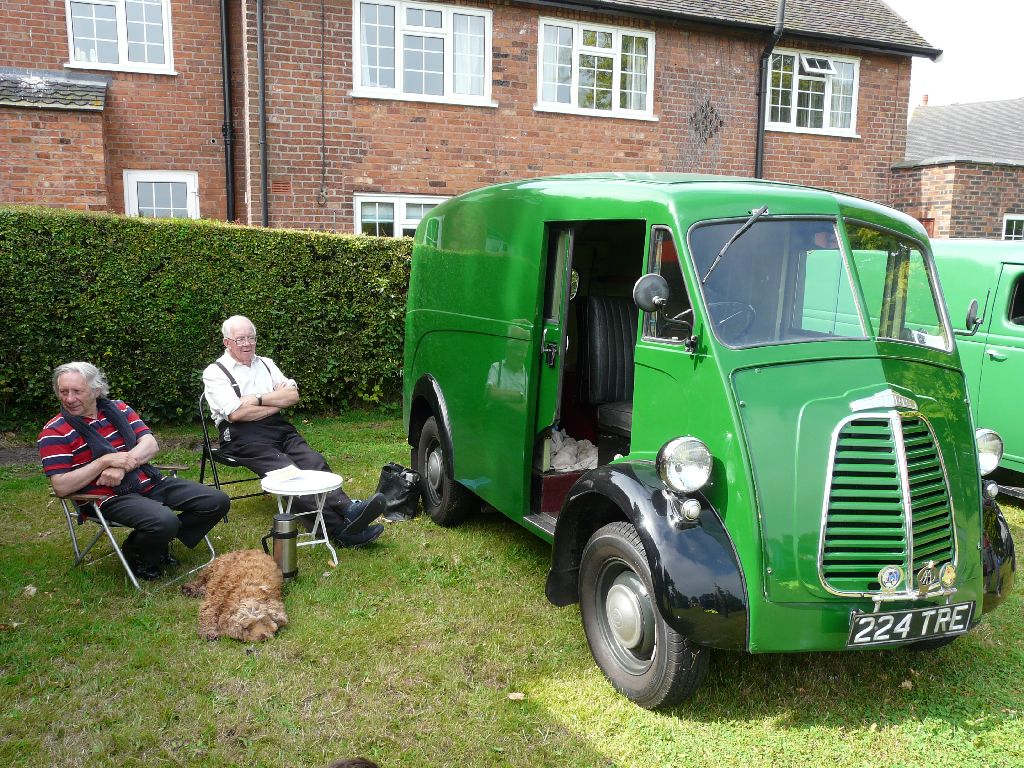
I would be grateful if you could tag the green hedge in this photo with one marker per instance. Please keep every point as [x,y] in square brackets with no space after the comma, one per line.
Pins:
[144,300]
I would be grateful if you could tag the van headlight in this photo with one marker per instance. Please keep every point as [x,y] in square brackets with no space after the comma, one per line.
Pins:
[684,464]
[990,450]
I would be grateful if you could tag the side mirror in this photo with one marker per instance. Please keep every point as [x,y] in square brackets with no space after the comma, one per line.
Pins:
[650,293]
[973,321]
[972,315]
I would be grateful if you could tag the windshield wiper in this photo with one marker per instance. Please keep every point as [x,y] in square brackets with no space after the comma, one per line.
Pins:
[735,236]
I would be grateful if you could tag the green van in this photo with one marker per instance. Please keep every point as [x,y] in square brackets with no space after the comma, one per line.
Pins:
[992,353]
[734,408]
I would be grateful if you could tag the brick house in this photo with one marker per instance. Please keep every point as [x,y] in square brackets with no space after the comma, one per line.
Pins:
[356,115]
[963,174]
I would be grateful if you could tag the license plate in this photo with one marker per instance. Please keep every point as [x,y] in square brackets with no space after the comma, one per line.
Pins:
[908,626]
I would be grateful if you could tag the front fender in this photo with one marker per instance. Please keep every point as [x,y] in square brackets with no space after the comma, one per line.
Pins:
[698,581]
[998,560]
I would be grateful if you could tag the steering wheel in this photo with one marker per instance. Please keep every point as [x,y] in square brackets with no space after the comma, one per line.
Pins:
[732,318]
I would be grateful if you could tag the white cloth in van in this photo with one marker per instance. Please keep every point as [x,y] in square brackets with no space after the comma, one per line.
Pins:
[569,455]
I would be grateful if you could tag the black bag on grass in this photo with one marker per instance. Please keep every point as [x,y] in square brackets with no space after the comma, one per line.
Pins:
[401,488]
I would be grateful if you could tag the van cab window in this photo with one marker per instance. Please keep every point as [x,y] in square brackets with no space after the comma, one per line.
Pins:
[1017,303]
[675,321]
[780,281]
[898,288]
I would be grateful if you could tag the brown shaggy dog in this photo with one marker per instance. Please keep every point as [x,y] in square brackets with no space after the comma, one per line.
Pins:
[241,594]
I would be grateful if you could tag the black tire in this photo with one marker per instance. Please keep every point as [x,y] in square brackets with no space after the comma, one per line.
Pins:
[640,654]
[447,502]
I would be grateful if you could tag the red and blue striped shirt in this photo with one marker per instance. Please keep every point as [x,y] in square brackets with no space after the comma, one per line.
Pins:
[62,449]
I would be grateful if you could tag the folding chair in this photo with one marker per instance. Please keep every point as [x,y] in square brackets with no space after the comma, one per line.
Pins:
[80,508]
[212,456]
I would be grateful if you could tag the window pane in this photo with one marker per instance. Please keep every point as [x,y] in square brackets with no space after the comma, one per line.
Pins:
[377,219]
[162,199]
[810,103]
[145,28]
[424,65]
[781,89]
[469,54]
[557,64]
[633,80]
[841,115]
[377,33]
[897,288]
[675,320]
[1013,229]
[94,32]
[595,89]
[596,39]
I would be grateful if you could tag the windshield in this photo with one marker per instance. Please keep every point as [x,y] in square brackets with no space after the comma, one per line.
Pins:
[786,280]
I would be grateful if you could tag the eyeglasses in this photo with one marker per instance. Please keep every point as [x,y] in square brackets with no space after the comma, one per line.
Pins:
[244,340]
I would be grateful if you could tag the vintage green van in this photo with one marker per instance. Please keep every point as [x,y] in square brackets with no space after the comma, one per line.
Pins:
[992,354]
[777,467]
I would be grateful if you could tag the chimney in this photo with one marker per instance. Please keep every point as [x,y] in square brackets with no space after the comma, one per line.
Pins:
[924,100]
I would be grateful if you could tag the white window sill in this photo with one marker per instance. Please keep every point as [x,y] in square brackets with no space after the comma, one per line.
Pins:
[842,132]
[453,100]
[93,65]
[568,110]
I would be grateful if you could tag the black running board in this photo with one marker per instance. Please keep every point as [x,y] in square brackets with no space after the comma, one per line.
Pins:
[542,521]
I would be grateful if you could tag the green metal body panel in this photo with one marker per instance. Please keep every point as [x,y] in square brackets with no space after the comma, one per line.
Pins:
[768,413]
[993,358]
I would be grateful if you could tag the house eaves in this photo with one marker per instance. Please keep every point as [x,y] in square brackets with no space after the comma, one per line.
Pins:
[42,89]
[864,24]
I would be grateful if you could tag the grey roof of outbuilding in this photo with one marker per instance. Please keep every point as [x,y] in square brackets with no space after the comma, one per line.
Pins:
[983,132]
[869,23]
[52,90]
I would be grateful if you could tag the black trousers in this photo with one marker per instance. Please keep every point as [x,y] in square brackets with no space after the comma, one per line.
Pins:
[175,508]
[272,443]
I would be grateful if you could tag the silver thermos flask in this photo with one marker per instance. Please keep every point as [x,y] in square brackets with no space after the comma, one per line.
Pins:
[285,533]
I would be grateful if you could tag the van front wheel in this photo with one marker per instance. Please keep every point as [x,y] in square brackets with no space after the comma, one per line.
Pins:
[640,654]
[447,502]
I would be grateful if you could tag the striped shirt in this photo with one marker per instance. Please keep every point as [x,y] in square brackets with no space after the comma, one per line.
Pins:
[62,449]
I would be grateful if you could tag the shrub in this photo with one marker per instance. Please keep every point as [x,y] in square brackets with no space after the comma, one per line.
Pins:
[144,300]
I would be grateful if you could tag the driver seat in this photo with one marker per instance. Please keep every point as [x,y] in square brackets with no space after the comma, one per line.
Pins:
[610,324]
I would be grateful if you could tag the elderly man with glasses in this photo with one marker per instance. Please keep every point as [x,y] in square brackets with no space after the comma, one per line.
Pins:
[246,393]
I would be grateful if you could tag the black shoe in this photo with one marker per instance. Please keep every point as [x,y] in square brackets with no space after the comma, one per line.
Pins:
[169,559]
[361,539]
[145,572]
[361,513]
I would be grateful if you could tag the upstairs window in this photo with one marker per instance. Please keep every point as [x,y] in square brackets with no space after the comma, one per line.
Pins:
[595,70]
[422,52]
[1013,228]
[813,93]
[127,35]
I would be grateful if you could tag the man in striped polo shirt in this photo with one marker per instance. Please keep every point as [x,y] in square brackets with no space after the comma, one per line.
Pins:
[100,446]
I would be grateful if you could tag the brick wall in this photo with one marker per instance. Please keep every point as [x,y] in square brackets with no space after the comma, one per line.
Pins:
[52,157]
[379,145]
[150,122]
[858,166]
[965,199]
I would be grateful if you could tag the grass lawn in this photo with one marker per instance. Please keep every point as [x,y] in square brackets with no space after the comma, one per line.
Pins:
[408,651]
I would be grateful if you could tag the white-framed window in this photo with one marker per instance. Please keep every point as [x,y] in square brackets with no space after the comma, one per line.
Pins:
[592,69]
[391,215]
[813,93]
[120,35]
[422,52]
[162,194]
[1013,227]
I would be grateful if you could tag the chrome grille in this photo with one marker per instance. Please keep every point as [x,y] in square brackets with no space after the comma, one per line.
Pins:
[887,502]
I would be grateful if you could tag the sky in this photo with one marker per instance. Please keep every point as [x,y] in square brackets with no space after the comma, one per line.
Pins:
[980,40]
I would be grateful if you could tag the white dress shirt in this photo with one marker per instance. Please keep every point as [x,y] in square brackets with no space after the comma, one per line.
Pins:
[256,379]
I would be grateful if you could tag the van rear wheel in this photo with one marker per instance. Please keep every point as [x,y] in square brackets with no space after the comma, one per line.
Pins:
[640,654]
[445,500]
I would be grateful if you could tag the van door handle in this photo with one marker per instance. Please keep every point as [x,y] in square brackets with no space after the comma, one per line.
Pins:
[550,352]
[995,355]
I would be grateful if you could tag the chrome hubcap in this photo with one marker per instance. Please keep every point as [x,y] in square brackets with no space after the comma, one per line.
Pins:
[630,616]
[435,468]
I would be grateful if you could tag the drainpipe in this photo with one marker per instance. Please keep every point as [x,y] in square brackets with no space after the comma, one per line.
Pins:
[262,79]
[226,130]
[762,88]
